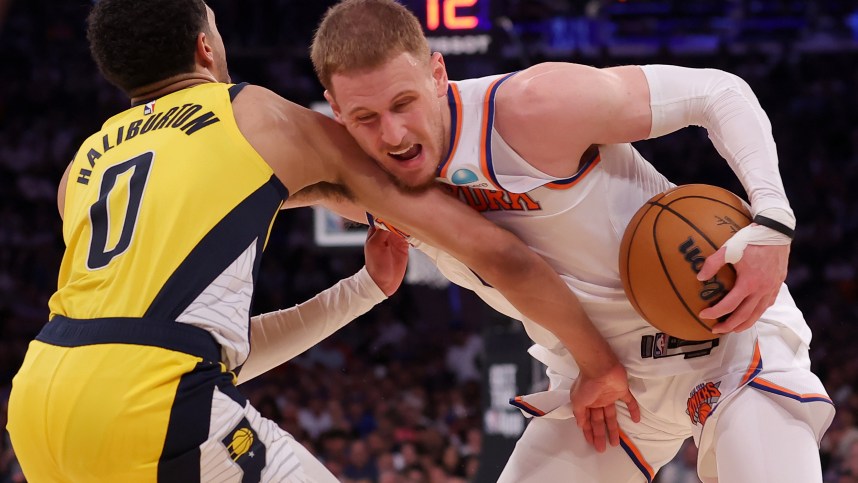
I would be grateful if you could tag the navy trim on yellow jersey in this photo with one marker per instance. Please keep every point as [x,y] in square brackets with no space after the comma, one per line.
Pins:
[235,89]
[489,122]
[218,249]
[65,332]
[190,419]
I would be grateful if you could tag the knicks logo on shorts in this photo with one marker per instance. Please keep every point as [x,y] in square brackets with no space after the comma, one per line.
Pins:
[701,401]
[246,450]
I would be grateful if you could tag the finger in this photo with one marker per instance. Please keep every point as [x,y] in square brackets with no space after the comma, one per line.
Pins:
[597,418]
[727,305]
[712,264]
[739,318]
[634,407]
[582,417]
[612,424]
[587,428]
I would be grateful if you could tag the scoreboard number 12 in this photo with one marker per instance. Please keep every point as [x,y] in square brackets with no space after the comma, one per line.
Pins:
[436,13]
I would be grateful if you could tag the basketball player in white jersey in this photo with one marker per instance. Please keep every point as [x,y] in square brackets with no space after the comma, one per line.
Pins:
[544,153]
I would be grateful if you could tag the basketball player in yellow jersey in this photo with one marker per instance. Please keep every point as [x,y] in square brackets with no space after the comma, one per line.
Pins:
[166,212]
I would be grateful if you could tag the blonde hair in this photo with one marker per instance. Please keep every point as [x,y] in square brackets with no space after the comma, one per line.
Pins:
[357,35]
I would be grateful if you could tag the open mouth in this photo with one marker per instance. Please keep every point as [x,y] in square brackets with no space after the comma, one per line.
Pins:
[407,154]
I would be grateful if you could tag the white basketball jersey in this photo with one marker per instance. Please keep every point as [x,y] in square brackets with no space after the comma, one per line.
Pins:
[576,224]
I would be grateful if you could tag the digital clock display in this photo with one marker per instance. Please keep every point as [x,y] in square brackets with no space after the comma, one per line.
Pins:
[446,17]
[455,27]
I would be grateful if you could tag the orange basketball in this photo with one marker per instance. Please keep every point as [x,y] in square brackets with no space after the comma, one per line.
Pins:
[665,246]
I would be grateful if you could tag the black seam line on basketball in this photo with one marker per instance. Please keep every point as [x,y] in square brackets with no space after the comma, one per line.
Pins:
[667,273]
[631,294]
[686,220]
[692,225]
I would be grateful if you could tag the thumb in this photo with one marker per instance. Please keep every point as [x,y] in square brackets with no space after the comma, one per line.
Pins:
[713,263]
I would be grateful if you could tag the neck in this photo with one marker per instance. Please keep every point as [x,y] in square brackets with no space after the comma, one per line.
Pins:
[169,85]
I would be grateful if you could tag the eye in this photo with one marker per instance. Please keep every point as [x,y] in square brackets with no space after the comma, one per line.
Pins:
[365,118]
[401,104]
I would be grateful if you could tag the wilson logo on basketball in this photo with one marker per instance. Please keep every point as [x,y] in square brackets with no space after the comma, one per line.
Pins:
[712,288]
[701,401]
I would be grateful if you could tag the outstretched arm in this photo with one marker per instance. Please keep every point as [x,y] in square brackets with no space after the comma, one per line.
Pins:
[277,337]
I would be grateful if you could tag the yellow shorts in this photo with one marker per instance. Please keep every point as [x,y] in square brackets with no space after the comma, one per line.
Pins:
[103,401]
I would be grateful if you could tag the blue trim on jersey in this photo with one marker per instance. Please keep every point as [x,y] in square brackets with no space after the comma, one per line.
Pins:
[247,223]
[490,119]
[583,169]
[235,89]
[454,126]
[524,408]
[797,397]
[636,461]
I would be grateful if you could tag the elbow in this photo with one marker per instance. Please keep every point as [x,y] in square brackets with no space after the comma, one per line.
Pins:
[513,263]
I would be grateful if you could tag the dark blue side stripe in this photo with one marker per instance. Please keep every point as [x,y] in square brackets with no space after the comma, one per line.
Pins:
[524,408]
[65,332]
[489,123]
[636,461]
[581,170]
[790,395]
[235,89]
[188,428]
[218,249]
[454,126]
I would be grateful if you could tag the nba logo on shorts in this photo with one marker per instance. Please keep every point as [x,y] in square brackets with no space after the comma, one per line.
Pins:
[660,343]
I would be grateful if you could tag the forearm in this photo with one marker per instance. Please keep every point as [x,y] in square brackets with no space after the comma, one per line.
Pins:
[504,262]
[535,289]
[740,130]
[277,337]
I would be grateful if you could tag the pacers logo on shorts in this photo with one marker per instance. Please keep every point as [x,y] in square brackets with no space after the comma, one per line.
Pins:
[245,449]
[240,444]
[701,401]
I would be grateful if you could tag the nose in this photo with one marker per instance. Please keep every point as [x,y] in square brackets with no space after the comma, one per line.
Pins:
[392,129]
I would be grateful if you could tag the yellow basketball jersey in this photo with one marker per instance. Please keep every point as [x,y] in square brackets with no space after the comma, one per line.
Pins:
[167,211]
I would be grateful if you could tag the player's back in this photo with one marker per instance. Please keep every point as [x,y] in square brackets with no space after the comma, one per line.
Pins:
[166,214]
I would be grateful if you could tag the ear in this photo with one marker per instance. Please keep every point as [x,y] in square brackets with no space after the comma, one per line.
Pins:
[203,53]
[439,74]
[334,107]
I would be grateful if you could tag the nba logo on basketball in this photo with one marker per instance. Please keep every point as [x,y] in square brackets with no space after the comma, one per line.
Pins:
[703,398]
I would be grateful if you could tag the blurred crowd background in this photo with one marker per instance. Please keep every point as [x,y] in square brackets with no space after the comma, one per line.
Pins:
[395,397]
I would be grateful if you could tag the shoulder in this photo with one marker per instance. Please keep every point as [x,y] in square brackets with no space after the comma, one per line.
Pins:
[550,86]
[292,139]
[256,107]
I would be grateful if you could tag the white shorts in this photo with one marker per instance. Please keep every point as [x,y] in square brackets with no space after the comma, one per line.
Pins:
[768,358]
